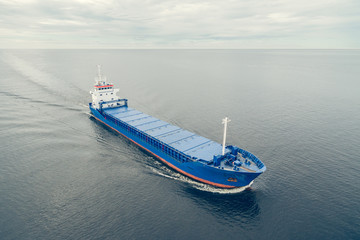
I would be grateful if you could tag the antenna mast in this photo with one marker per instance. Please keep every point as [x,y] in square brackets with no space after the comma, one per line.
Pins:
[225,122]
[99,72]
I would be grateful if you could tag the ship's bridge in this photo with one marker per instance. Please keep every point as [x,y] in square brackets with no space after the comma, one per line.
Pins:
[104,94]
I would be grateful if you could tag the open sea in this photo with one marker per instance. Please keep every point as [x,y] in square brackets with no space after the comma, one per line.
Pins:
[63,175]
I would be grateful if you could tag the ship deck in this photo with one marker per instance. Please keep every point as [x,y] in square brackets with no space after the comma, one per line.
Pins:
[184,141]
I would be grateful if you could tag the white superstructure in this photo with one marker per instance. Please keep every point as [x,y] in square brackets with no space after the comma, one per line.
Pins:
[104,94]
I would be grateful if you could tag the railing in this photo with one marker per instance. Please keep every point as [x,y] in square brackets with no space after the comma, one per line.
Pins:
[114,101]
[248,155]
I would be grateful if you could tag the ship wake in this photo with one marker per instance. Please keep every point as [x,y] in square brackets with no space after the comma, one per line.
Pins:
[164,171]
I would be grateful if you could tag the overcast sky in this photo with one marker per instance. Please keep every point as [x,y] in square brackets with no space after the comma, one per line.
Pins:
[180,24]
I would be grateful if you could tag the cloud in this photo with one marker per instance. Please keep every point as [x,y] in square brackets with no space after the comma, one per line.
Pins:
[179,24]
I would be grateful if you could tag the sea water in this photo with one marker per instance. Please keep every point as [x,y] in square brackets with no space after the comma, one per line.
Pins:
[64,175]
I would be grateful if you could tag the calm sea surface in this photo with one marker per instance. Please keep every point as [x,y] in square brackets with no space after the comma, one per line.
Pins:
[65,176]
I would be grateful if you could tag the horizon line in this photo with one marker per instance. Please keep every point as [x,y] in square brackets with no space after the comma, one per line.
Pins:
[179,48]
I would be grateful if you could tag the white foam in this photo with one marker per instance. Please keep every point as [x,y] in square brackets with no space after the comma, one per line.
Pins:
[209,188]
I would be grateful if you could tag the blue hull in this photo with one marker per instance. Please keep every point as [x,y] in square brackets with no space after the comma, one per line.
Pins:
[197,170]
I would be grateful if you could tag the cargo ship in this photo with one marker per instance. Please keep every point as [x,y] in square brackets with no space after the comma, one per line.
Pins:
[194,156]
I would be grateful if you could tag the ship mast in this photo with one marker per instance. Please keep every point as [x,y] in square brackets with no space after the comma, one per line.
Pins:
[99,71]
[225,122]
[100,80]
